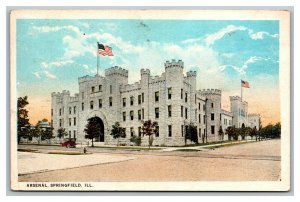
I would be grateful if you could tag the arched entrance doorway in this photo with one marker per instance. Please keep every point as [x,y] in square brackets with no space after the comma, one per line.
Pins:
[96,128]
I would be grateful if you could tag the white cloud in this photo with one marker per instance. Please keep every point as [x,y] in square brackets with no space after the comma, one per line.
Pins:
[56,63]
[37,75]
[261,35]
[49,75]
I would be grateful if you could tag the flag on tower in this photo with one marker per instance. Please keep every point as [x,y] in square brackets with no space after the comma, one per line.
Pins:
[245,84]
[104,50]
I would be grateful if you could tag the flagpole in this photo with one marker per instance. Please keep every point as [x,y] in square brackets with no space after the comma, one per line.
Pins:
[97,59]
[241,91]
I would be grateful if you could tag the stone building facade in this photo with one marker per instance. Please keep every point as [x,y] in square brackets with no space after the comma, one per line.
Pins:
[171,99]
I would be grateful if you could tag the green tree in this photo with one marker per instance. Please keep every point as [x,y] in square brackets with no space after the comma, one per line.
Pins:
[191,133]
[253,133]
[149,128]
[61,132]
[47,133]
[136,140]
[92,129]
[36,133]
[232,132]
[23,127]
[117,132]
[221,133]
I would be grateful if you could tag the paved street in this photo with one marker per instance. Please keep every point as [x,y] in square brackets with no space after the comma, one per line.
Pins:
[250,162]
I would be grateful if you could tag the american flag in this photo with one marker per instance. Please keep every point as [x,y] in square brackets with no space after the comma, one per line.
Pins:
[245,84]
[104,50]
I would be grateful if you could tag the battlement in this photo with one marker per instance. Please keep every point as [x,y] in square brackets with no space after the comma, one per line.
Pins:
[206,92]
[145,71]
[116,71]
[58,94]
[253,115]
[173,63]
[191,74]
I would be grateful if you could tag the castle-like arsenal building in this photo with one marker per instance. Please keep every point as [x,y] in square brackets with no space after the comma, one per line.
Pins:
[171,99]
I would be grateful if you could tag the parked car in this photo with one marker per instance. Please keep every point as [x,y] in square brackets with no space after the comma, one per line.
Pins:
[69,143]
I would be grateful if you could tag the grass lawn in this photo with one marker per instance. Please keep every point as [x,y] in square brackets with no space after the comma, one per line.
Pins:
[127,147]
[68,153]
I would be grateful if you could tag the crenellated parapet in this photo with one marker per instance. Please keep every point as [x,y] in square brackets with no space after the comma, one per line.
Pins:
[191,74]
[145,71]
[237,98]
[174,63]
[116,71]
[206,92]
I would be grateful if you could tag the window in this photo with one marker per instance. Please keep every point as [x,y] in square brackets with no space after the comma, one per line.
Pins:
[169,93]
[51,112]
[170,110]
[74,120]
[74,134]
[170,130]
[195,114]
[139,99]
[199,118]
[212,130]
[139,131]
[204,119]
[100,88]
[131,115]
[182,130]
[156,113]
[181,93]
[82,106]
[124,102]
[69,134]
[74,109]
[142,97]
[100,103]
[93,89]
[143,114]
[199,106]
[131,132]
[186,114]
[59,122]
[220,117]
[110,89]
[204,107]
[60,112]
[212,117]
[139,114]
[124,116]
[199,132]
[195,98]
[91,104]
[70,121]
[131,100]
[156,96]
[70,110]
[186,97]
[110,101]
[181,111]
[157,131]
[82,95]
[212,105]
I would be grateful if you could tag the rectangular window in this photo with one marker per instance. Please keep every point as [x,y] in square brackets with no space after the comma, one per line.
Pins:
[170,110]
[74,109]
[157,113]
[195,114]
[131,100]
[170,130]
[143,114]
[59,122]
[131,132]
[181,111]
[60,112]
[156,96]
[169,93]
[199,118]
[70,122]
[199,132]
[199,106]
[142,97]
[139,114]
[69,134]
[93,89]
[186,113]
[74,134]
[139,99]
[204,119]
[124,116]
[139,131]
[100,103]
[212,130]
[212,117]
[70,110]
[181,93]
[186,97]
[82,106]
[110,89]
[91,104]
[212,105]
[157,131]
[182,130]
[220,118]
[195,98]
[74,121]
[124,102]
[100,88]
[131,115]
[110,101]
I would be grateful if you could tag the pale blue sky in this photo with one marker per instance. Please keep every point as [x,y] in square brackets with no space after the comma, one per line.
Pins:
[52,54]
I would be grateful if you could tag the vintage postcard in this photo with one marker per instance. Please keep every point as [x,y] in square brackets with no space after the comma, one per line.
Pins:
[150,100]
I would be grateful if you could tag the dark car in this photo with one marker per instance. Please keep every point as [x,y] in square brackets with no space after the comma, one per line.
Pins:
[69,143]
